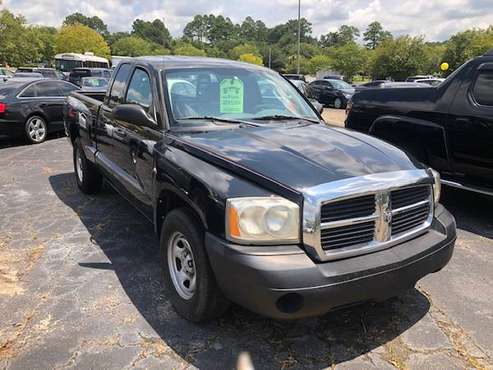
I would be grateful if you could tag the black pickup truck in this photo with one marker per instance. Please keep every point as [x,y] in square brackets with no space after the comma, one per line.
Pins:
[254,198]
[449,127]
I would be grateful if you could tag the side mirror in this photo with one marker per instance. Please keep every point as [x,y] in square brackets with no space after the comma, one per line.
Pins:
[133,114]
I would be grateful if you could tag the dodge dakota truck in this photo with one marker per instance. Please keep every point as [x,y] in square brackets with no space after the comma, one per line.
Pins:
[448,127]
[256,200]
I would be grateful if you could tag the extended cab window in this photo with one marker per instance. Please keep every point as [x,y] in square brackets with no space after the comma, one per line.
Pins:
[118,89]
[139,89]
[483,88]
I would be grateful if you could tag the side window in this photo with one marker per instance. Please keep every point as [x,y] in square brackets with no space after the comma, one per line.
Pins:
[483,88]
[31,91]
[139,89]
[118,88]
[66,88]
[49,88]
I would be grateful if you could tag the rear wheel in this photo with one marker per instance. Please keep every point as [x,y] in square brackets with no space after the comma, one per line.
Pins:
[89,180]
[189,279]
[36,129]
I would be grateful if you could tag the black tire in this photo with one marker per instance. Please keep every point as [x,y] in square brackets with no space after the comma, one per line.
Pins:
[207,301]
[89,179]
[36,129]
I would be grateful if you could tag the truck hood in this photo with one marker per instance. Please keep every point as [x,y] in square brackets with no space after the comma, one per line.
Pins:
[301,156]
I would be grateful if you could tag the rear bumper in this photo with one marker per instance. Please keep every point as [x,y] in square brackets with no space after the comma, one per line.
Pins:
[283,282]
[11,128]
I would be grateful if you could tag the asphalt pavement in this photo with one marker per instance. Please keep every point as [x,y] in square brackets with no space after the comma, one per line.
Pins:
[80,287]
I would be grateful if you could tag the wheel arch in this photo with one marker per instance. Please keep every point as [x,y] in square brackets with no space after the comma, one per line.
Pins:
[425,140]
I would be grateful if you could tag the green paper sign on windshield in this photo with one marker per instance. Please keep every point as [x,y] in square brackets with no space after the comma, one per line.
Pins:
[231,96]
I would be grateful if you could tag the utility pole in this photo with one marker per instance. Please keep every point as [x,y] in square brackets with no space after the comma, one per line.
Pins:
[299,35]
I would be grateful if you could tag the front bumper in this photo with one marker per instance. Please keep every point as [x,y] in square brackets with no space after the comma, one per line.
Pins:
[283,282]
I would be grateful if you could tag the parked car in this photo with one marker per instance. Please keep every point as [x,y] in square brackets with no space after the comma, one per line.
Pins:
[430,81]
[448,127]
[418,77]
[32,108]
[78,73]
[306,90]
[336,93]
[45,72]
[27,75]
[333,77]
[255,200]
[5,74]
[370,85]
[295,77]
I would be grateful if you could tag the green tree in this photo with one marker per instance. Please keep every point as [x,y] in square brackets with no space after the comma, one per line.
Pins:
[95,23]
[132,46]
[46,40]
[189,50]
[466,45]
[251,58]
[374,35]
[251,30]
[319,63]
[241,49]
[287,34]
[399,58]
[80,39]
[154,31]
[18,44]
[344,35]
[349,60]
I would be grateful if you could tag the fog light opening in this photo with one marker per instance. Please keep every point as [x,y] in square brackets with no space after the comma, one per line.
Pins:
[290,303]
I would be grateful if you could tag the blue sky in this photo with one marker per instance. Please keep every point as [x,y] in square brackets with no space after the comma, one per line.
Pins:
[436,19]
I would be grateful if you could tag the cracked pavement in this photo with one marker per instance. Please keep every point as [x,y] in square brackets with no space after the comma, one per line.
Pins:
[80,287]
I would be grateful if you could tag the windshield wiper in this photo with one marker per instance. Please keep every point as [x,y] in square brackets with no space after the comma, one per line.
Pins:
[219,119]
[281,117]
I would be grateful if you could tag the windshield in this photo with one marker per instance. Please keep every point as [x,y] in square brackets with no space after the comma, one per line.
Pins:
[338,84]
[232,93]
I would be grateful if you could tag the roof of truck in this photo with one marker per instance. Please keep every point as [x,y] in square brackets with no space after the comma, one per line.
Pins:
[178,61]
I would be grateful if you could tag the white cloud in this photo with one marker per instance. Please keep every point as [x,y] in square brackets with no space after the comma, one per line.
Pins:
[436,19]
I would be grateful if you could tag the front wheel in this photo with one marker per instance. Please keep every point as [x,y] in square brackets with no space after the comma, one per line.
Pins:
[36,129]
[189,279]
[89,180]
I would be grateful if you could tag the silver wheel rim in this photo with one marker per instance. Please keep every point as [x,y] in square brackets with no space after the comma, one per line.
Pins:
[36,129]
[337,103]
[182,265]
[78,165]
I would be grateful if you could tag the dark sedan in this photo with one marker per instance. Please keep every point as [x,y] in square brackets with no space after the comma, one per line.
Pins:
[336,93]
[32,108]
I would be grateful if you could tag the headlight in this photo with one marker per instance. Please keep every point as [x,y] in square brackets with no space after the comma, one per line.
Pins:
[262,220]
[437,186]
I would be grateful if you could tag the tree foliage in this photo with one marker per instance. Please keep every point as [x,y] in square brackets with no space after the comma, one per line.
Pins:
[466,45]
[78,38]
[344,35]
[374,35]
[155,32]
[349,59]
[95,22]
[399,58]
[251,58]
[189,50]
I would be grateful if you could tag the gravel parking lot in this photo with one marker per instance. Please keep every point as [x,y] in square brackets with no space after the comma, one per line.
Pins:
[80,287]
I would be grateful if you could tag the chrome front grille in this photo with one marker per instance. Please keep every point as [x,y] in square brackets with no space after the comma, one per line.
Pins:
[374,219]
